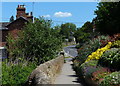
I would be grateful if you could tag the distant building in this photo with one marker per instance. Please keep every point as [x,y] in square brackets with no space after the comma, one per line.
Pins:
[14,27]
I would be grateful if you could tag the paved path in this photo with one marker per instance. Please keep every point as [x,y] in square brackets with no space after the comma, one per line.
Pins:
[70,51]
[67,75]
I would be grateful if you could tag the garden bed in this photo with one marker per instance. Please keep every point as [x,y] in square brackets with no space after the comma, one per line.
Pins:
[99,65]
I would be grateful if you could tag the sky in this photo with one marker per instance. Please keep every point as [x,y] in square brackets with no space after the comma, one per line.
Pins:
[59,12]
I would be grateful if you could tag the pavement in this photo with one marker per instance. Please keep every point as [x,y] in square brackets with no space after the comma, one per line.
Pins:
[68,75]
[70,51]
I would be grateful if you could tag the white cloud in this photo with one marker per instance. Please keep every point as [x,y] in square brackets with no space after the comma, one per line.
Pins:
[62,14]
[46,16]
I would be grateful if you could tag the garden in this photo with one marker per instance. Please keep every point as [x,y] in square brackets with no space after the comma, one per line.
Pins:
[100,64]
[98,60]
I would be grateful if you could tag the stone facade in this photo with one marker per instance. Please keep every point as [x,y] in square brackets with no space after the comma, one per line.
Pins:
[46,73]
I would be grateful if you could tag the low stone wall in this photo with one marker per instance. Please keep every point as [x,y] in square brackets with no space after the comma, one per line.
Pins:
[46,72]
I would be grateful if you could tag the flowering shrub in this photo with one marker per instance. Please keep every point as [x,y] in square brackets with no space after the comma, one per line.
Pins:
[90,46]
[116,44]
[98,53]
[88,68]
[111,79]
[111,58]
[100,74]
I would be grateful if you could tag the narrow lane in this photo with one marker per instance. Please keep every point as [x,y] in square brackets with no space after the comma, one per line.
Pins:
[70,51]
[68,75]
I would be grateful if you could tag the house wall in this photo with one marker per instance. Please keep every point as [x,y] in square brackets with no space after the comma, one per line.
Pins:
[3,35]
[16,27]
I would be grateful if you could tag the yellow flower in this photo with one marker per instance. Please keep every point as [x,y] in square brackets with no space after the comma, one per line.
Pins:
[98,53]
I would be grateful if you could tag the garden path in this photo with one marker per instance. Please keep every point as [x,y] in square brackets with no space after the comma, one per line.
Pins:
[68,75]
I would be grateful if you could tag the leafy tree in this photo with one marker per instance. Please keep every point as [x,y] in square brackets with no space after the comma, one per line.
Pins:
[108,17]
[82,34]
[67,30]
[11,18]
[36,42]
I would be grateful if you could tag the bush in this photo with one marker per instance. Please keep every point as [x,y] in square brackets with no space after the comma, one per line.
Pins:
[111,58]
[89,47]
[116,44]
[100,73]
[16,74]
[111,79]
[88,68]
[98,53]
[36,42]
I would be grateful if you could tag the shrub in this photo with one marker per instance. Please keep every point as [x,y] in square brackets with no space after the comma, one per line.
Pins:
[89,47]
[97,54]
[111,79]
[36,42]
[111,58]
[116,44]
[16,74]
[88,68]
[100,73]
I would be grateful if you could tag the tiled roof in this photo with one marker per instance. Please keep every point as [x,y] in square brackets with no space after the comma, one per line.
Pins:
[23,18]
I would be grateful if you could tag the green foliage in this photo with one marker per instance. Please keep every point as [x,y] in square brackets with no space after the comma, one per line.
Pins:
[87,27]
[36,42]
[88,68]
[116,44]
[82,34]
[111,79]
[11,18]
[16,74]
[108,17]
[111,58]
[67,30]
[100,73]
[89,47]
[90,63]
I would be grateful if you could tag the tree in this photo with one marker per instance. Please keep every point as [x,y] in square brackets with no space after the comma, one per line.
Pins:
[67,30]
[36,42]
[82,34]
[11,18]
[108,17]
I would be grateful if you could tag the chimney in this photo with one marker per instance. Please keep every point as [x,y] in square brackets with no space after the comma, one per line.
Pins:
[20,11]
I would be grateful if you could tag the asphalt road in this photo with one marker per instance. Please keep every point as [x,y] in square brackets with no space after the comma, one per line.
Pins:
[70,51]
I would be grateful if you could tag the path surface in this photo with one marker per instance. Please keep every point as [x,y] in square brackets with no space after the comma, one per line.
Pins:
[67,75]
[70,51]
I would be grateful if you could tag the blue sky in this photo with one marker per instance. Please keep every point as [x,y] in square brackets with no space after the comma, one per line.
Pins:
[60,12]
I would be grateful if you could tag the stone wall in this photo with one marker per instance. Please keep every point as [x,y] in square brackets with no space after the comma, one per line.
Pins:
[46,72]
